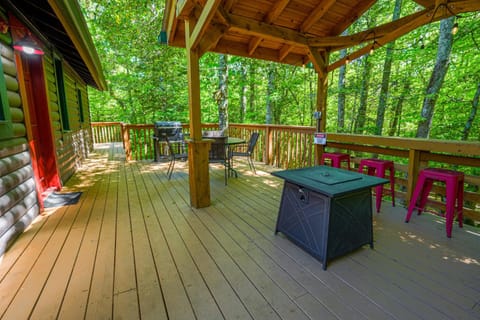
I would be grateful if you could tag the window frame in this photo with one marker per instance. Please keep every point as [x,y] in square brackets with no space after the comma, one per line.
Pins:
[62,94]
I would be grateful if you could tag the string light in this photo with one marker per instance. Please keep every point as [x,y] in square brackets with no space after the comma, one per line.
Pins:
[455,28]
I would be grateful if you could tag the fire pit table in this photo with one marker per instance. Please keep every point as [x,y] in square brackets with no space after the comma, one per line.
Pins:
[327,211]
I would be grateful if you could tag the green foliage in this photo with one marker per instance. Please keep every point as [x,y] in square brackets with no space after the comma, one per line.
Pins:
[147,81]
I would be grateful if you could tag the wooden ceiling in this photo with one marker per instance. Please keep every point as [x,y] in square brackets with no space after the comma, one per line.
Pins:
[292,31]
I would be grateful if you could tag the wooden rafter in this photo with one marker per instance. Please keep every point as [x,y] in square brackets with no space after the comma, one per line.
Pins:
[185,8]
[265,30]
[211,38]
[341,42]
[203,22]
[271,16]
[316,15]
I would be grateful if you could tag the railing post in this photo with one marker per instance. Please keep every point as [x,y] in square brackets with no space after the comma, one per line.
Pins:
[122,133]
[268,145]
[413,169]
[126,142]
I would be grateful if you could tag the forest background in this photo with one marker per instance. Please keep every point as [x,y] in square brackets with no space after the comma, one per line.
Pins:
[426,84]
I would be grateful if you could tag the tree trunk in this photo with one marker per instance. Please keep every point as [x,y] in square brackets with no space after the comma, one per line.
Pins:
[362,108]
[387,69]
[270,90]
[252,86]
[445,43]
[341,94]
[221,95]
[471,117]
[243,94]
[394,126]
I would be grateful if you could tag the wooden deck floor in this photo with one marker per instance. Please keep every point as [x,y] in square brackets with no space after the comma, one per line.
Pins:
[133,248]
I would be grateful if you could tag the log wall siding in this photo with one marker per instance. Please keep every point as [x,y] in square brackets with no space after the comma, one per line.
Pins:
[18,197]
[72,146]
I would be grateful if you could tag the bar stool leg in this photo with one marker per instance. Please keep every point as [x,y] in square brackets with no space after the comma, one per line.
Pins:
[450,207]
[416,193]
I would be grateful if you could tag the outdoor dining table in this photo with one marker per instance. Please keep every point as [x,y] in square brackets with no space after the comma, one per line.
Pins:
[326,211]
[231,141]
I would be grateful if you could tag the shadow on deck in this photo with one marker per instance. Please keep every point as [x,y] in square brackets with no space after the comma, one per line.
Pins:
[133,248]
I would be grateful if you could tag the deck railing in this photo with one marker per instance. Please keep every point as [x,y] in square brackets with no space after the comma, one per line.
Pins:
[292,147]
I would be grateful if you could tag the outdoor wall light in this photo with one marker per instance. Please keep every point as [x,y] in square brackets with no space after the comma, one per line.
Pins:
[28,46]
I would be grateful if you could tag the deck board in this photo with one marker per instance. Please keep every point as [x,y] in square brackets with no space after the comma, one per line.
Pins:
[133,248]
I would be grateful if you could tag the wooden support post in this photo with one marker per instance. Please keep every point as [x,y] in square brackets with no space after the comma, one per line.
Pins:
[322,86]
[199,179]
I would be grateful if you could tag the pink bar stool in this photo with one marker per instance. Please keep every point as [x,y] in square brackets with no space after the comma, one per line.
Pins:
[336,159]
[377,167]
[454,192]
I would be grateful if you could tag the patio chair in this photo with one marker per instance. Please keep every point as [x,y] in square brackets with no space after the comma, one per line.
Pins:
[218,153]
[246,150]
[177,150]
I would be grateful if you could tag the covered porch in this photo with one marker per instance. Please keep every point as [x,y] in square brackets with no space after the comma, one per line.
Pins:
[133,247]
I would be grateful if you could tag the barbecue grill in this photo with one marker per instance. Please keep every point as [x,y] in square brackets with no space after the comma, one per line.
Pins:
[162,130]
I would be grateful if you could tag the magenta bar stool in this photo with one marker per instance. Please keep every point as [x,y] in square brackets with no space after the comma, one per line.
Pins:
[377,167]
[454,193]
[336,159]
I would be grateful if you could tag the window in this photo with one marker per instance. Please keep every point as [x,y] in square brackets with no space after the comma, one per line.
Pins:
[80,105]
[62,98]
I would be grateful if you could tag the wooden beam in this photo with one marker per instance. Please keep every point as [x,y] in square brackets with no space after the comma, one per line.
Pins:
[318,61]
[238,49]
[261,29]
[284,51]
[185,8]
[253,44]
[208,12]
[316,15]
[172,23]
[211,38]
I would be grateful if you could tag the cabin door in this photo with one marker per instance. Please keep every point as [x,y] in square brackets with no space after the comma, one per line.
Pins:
[39,129]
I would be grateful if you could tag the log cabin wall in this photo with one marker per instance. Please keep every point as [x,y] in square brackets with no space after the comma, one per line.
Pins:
[18,196]
[20,192]
[72,144]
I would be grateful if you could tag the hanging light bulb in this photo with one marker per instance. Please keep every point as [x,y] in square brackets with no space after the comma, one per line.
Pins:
[372,48]
[347,60]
